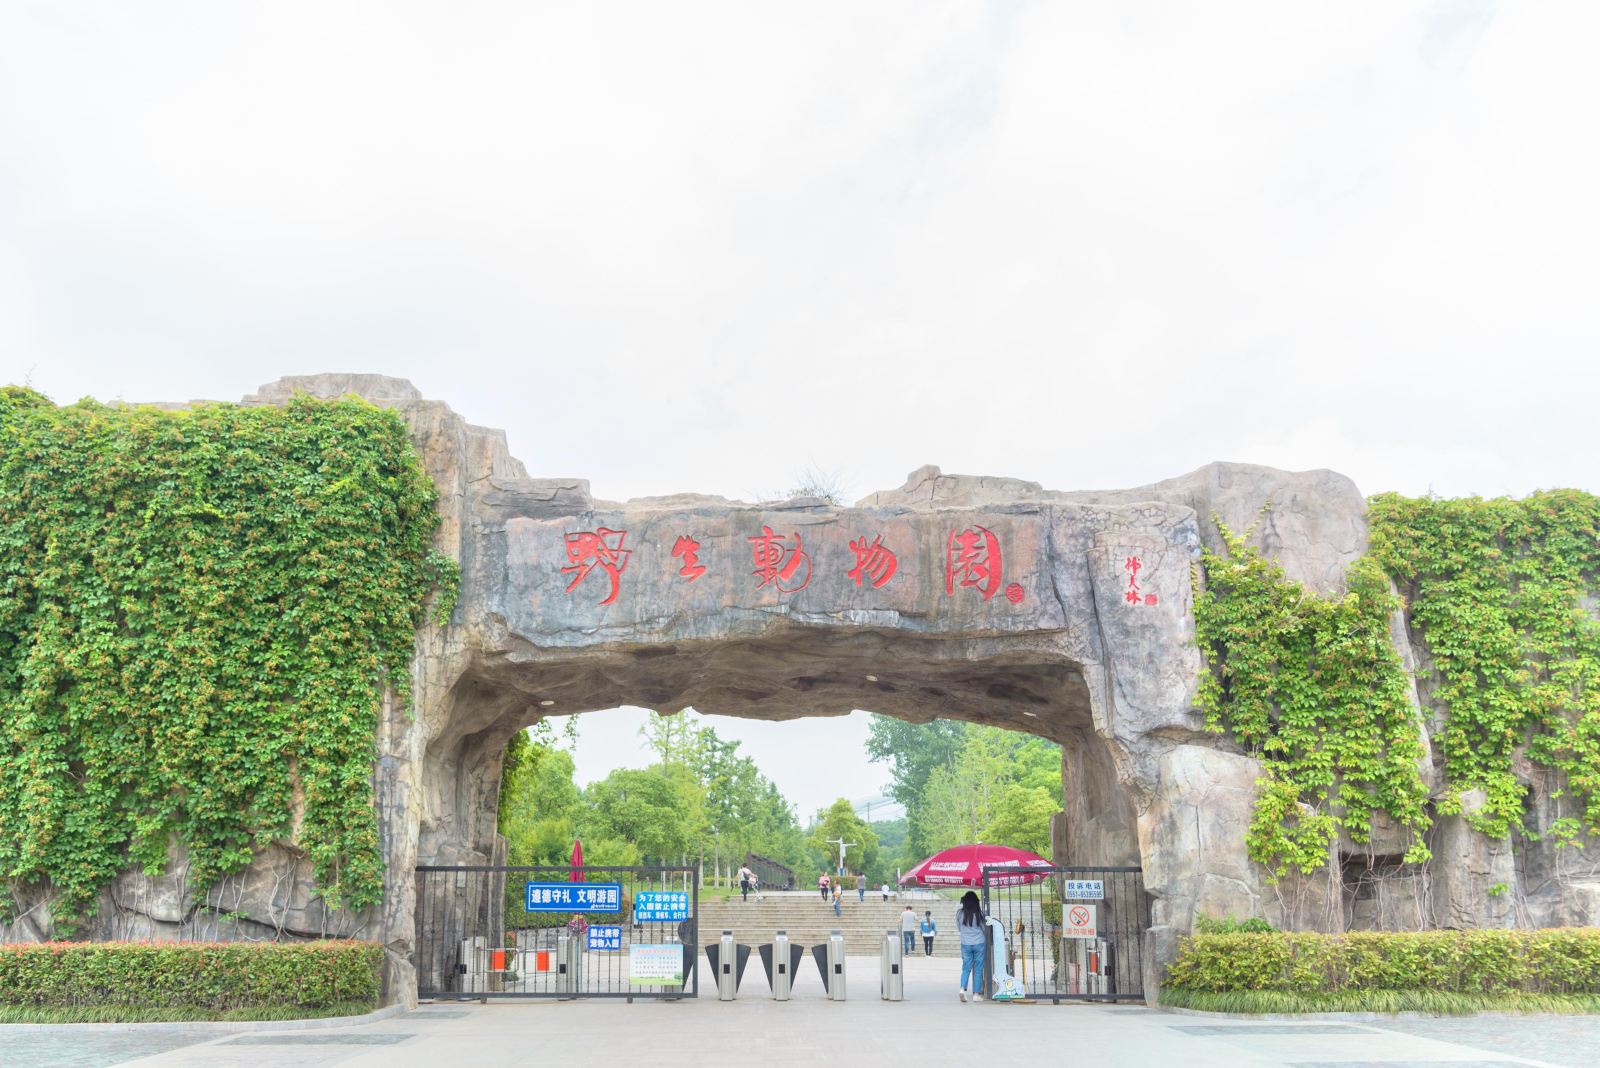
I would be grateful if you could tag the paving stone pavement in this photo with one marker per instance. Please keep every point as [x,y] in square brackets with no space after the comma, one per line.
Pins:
[930,1028]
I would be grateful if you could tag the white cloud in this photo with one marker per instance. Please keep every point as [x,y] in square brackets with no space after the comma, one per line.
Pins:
[704,246]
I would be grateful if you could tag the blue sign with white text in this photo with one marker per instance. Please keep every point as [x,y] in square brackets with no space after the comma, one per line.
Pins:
[1084,889]
[574,897]
[603,936]
[661,905]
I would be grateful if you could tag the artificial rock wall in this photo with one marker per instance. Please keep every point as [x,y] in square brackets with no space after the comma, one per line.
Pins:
[1067,614]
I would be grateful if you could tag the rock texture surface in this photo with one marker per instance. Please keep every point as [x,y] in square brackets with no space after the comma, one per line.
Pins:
[1008,604]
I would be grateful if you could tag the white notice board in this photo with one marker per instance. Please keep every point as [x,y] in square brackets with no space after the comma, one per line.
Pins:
[655,965]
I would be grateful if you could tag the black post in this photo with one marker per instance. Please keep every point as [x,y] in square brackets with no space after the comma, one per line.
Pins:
[694,918]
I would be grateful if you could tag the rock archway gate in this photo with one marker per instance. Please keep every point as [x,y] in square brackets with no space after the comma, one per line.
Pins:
[1068,615]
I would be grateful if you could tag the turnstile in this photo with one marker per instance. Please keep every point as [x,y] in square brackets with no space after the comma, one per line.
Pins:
[780,958]
[728,959]
[830,962]
[891,977]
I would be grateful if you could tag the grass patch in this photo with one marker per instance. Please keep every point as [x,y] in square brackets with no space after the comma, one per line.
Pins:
[1433,1002]
[69,1014]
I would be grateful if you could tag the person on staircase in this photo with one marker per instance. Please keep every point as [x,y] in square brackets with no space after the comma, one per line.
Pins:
[908,931]
[838,895]
[822,885]
[745,876]
[929,929]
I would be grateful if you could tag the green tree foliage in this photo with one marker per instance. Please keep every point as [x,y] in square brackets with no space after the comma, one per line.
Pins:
[744,811]
[704,800]
[1313,688]
[1021,818]
[199,613]
[913,752]
[891,837]
[999,781]
[1499,589]
[660,809]
[677,739]
[839,821]
[964,783]
[540,806]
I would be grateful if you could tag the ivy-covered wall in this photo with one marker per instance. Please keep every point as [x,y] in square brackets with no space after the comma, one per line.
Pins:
[199,613]
[1498,593]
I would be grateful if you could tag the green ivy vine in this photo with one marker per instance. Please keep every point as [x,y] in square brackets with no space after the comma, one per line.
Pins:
[1311,687]
[1498,590]
[199,613]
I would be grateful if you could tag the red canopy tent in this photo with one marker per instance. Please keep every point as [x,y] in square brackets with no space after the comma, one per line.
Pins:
[963,865]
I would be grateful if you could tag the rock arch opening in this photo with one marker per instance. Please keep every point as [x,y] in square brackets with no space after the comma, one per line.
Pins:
[785,676]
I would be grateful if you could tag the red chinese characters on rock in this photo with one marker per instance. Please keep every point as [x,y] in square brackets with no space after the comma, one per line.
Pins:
[874,561]
[972,558]
[777,563]
[601,549]
[1132,595]
[688,550]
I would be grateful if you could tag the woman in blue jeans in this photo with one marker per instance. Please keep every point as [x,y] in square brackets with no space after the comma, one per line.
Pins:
[970,926]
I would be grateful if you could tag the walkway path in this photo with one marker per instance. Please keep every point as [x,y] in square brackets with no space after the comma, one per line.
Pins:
[929,1028]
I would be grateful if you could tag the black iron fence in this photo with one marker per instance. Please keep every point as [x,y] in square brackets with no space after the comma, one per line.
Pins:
[1070,933]
[557,932]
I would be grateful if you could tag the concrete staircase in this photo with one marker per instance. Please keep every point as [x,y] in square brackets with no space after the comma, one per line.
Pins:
[808,921]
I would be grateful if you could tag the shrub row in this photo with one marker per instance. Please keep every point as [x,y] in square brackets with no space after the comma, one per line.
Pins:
[1554,961]
[215,976]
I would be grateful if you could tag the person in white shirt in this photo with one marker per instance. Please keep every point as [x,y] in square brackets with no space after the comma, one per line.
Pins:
[908,930]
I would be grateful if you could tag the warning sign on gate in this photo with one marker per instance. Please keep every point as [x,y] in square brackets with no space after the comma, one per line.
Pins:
[1077,921]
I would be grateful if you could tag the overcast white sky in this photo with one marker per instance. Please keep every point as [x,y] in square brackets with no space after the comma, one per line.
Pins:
[704,247]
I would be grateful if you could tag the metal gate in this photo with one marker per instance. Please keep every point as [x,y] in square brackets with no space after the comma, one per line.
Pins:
[557,932]
[1071,933]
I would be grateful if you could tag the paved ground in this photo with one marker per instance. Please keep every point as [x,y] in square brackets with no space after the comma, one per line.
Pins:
[930,1028]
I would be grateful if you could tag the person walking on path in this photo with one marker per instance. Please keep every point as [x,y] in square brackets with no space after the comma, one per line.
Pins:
[969,925]
[745,875]
[929,929]
[838,895]
[908,930]
[822,884]
[861,889]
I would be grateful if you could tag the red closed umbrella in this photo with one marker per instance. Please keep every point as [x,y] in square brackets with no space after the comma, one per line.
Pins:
[963,866]
[577,861]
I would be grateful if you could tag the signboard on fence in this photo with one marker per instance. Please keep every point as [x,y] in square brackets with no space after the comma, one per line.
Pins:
[1077,921]
[604,936]
[655,965]
[656,905]
[574,897]
[1084,889]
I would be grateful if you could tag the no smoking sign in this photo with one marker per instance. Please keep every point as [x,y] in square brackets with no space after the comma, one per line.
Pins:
[1078,921]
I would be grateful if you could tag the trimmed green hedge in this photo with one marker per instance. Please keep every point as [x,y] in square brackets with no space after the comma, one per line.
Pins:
[1439,970]
[215,977]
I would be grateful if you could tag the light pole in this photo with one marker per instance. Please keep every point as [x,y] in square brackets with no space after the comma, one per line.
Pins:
[843,845]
